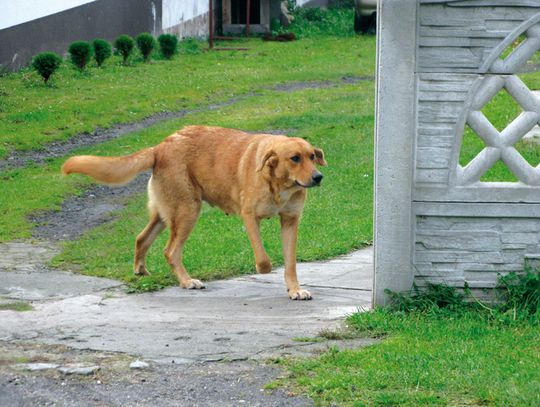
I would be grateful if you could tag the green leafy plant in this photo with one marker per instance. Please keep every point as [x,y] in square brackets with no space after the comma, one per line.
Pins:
[46,63]
[311,22]
[168,44]
[80,53]
[124,45]
[517,297]
[190,46]
[275,25]
[102,50]
[146,44]
[432,296]
[520,294]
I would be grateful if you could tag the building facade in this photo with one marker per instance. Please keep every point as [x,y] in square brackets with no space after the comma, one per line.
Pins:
[28,27]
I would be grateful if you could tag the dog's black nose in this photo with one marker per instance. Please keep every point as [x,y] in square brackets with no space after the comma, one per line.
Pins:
[317,178]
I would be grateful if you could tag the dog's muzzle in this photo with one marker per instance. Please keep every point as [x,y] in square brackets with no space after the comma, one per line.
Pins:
[316,179]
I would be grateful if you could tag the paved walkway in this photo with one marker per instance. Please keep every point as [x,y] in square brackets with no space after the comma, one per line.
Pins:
[242,318]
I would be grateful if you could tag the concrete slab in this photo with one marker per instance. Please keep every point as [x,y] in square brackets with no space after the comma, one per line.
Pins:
[25,256]
[33,286]
[236,319]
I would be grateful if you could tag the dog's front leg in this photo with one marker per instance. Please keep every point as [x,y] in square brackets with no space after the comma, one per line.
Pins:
[262,261]
[289,234]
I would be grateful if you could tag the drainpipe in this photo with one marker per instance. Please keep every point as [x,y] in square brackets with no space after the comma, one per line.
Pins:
[248,12]
[211,24]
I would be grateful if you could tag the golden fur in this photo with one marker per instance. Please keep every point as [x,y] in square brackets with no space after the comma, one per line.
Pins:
[253,176]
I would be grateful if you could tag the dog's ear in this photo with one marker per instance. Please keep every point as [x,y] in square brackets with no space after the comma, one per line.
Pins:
[269,158]
[319,157]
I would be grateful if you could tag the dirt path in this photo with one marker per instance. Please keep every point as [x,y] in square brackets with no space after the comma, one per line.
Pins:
[92,208]
[116,384]
[61,148]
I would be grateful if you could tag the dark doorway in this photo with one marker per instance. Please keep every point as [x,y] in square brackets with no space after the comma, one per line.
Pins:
[239,8]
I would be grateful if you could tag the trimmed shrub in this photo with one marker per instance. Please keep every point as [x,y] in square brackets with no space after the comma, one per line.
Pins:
[168,44]
[80,53]
[146,44]
[124,45]
[102,50]
[46,63]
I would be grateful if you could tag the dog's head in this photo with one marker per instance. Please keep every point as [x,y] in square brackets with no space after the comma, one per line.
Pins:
[292,161]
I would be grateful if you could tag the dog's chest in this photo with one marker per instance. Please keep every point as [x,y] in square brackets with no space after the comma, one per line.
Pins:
[286,203]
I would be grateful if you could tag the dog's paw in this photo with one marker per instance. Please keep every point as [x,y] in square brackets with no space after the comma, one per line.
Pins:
[193,284]
[264,267]
[141,271]
[299,294]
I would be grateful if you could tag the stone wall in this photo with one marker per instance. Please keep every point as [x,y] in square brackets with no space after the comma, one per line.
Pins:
[473,250]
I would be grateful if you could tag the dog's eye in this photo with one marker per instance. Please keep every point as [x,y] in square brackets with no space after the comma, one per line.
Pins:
[312,157]
[295,158]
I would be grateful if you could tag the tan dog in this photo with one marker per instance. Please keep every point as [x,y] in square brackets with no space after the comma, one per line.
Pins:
[254,176]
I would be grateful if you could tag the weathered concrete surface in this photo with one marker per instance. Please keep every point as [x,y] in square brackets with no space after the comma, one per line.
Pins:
[241,318]
[23,275]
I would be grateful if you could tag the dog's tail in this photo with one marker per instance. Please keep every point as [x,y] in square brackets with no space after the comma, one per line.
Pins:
[111,170]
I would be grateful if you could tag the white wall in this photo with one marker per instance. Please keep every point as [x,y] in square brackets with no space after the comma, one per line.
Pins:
[14,12]
[179,11]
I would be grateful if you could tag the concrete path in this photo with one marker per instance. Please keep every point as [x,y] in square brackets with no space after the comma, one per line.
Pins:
[237,319]
[91,326]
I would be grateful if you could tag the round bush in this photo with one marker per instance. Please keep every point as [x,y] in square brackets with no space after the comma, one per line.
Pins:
[168,44]
[80,53]
[102,50]
[124,44]
[146,44]
[46,63]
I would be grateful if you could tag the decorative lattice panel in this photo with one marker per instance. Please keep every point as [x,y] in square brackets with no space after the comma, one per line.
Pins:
[501,145]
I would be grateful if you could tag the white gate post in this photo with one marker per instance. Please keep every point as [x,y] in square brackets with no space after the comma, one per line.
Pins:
[394,146]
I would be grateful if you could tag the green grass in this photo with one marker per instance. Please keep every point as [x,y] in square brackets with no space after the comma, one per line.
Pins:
[33,113]
[334,119]
[437,346]
[427,359]
[16,306]
[200,79]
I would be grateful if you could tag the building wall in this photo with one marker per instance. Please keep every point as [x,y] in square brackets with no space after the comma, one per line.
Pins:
[185,18]
[25,35]
[28,27]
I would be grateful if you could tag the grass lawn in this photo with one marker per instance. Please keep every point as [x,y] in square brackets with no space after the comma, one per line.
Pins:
[426,359]
[338,119]
[189,80]
[333,118]
[33,113]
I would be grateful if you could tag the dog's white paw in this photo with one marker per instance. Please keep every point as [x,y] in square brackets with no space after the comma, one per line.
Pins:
[193,284]
[299,294]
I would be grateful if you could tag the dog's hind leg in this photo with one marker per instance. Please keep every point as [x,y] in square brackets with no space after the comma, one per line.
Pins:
[181,224]
[144,241]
